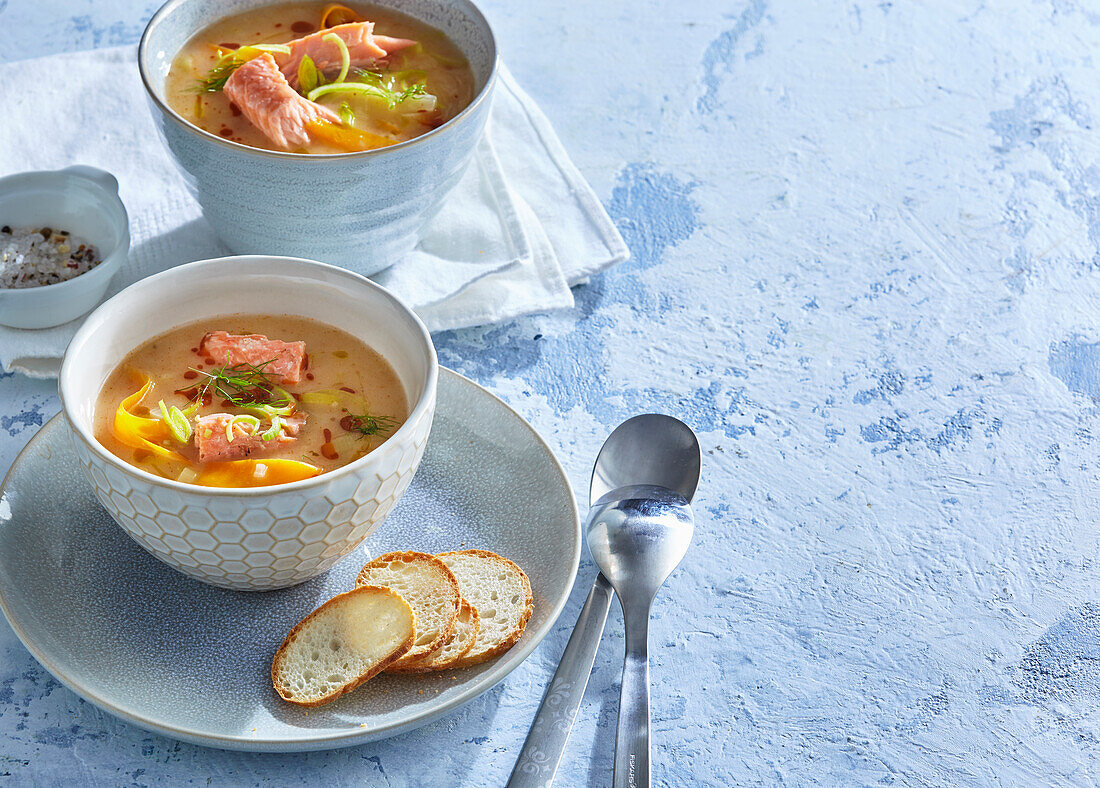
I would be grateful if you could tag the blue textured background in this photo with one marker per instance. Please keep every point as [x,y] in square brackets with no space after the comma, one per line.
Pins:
[866,267]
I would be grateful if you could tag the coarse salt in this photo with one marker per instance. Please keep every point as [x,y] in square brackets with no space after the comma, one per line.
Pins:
[36,256]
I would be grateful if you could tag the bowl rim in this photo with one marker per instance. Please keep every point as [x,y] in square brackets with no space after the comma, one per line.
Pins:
[110,204]
[103,313]
[464,115]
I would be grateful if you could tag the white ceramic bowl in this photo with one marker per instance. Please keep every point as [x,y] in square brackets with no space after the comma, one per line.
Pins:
[84,201]
[267,537]
[362,211]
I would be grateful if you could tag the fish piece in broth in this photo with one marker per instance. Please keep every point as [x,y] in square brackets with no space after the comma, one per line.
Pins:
[262,94]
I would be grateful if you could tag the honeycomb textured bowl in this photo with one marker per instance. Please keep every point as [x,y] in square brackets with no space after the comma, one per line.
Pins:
[260,538]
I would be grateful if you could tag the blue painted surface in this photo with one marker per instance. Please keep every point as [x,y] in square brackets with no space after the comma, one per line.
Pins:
[866,267]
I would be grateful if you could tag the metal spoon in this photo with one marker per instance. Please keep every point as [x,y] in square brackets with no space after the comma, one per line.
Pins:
[650,449]
[637,536]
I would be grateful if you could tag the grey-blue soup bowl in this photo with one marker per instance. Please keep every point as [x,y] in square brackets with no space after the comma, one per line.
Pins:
[362,211]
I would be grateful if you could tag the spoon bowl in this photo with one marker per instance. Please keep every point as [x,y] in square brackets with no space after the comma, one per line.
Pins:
[652,449]
[638,535]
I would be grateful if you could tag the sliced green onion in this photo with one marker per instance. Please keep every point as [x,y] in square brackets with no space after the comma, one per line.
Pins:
[320,398]
[275,430]
[250,421]
[308,75]
[345,56]
[346,114]
[268,411]
[287,397]
[350,87]
[275,49]
[337,398]
[413,99]
[177,423]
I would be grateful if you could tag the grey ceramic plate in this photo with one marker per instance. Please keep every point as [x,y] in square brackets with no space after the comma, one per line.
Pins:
[193,662]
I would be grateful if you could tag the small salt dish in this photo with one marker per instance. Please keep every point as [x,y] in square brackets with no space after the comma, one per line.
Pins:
[84,201]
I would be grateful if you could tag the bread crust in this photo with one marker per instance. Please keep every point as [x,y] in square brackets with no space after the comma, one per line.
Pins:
[363,578]
[425,665]
[381,665]
[512,639]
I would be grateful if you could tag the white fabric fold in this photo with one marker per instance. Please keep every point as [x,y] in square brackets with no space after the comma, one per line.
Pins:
[520,228]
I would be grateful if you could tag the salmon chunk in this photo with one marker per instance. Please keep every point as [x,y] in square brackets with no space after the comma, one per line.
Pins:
[262,94]
[213,443]
[364,48]
[283,361]
[391,44]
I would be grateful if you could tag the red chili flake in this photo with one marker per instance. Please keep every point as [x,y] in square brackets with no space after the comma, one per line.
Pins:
[345,388]
[328,451]
[234,109]
[302,27]
[72,265]
[226,132]
[210,361]
[278,24]
[328,435]
[309,376]
[190,393]
[194,350]
[226,403]
[349,423]
[229,45]
[190,374]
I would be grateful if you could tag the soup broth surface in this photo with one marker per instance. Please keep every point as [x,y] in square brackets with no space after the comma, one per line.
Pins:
[434,62]
[349,395]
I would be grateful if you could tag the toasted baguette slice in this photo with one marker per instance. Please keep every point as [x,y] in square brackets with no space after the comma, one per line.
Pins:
[500,592]
[341,644]
[457,645]
[428,586]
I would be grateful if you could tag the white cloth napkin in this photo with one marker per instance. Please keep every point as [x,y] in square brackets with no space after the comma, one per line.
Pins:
[520,228]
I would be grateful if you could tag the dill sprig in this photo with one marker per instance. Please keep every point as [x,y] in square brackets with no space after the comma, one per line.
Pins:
[367,424]
[243,385]
[217,76]
[389,85]
[221,72]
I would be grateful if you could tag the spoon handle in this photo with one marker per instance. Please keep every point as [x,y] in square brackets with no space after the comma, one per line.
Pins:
[546,740]
[632,739]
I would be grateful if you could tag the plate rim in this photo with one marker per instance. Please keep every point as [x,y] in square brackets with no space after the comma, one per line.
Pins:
[335,739]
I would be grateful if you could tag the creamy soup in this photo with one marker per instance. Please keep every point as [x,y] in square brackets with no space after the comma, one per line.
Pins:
[315,78]
[249,401]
